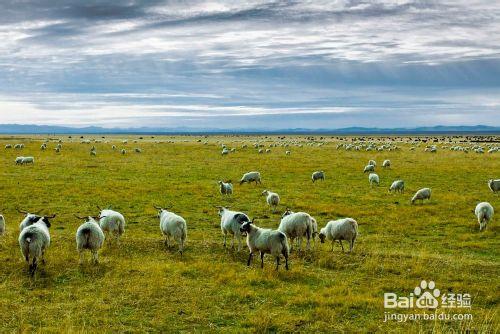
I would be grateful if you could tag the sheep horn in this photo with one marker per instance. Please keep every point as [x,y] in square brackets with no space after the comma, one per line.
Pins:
[51,216]
[22,211]
[79,216]
[98,207]
[157,207]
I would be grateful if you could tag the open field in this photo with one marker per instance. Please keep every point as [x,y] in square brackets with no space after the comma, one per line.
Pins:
[139,286]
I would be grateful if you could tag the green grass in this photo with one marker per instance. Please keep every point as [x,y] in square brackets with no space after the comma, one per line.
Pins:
[139,286]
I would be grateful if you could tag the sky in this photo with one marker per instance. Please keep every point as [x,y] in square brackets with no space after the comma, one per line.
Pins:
[250,64]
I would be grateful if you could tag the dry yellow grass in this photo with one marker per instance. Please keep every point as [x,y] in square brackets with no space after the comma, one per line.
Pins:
[139,286]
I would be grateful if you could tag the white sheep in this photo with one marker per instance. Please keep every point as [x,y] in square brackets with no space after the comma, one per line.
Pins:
[89,235]
[172,225]
[341,229]
[386,163]
[318,175]
[93,153]
[424,193]
[137,150]
[273,199]
[484,212]
[251,177]
[19,160]
[265,241]
[27,160]
[494,185]
[123,151]
[225,151]
[33,241]
[297,225]
[225,188]
[2,224]
[372,162]
[373,178]
[113,147]
[288,152]
[397,186]
[8,146]
[29,219]
[57,149]
[111,222]
[369,168]
[230,223]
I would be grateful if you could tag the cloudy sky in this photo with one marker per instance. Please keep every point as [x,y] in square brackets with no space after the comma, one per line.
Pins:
[255,64]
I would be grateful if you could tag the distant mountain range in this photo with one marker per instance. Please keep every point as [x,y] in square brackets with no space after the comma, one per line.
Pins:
[50,129]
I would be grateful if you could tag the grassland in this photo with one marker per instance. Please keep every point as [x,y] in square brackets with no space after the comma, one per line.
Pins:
[141,287]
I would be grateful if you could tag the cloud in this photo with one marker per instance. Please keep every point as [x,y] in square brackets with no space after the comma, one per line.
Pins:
[280,57]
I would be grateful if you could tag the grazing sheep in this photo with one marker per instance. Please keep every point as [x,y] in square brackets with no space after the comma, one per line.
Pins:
[372,162]
[230,222]
[386,163]
[57,149]
[288,152]
[123,151]
[484,212]
[172,225]
[112,222]
[93,153]
[273,199]
[373,178]
[19,146]
[2,225]
[43,147]
[297,225]
[424,193]
[34,240]
[89,235]
[268,150]
[251,177]
[225,188]
[261,151]
[137,150]
[494,185]
[397,186]
[369,168]
[265,241]
[113,147]
[318,175]
[27,160]
[8,146]
[19,160]
[341,229]
[225,151]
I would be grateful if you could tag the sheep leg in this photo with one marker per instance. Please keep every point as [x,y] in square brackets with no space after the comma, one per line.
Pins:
[286,262]
[43,257]
[340,241]
[351,246]
[277,262]
[95,257]
[262,260]
[239,243]
[81,256]
[299,241]
[33,267]
[181,245]
[249,259]
[225,236]
[333,242]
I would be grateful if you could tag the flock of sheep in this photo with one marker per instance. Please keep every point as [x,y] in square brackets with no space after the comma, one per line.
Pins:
[34,234]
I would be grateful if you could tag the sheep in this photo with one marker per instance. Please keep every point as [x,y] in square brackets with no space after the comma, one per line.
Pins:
[2,224]
[225,188]
[386,163]
[137,150]
[484,212]
[273,199]
[318,175]
[57,149]
[27,160]
[397,186]
[111,222]
[89,235]
[373,178]
[372,162]
[494,185]
[172,225]
[19,160]
[265,241]
[288,152]
[113,147]
[34,240]
[297,225]
[8,146]
[225,151]
[123,151]
[369,168]
[261,151]
[251,177]
[93,153]
[43,147]
[424,193]
[341,229]
[19,146]
[230,222]
[268,150]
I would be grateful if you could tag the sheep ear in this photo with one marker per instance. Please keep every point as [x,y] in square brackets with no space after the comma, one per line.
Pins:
[98,207]
[157,207]
[79,216]
[51,216]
